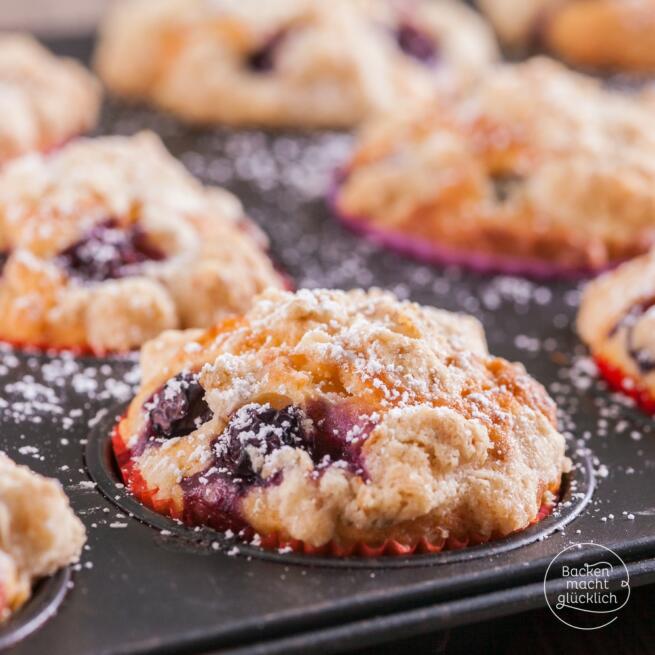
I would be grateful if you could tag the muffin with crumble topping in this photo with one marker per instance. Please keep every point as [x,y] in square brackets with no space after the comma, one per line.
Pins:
[538,171]
[341,422]
[289,63]
[109,241]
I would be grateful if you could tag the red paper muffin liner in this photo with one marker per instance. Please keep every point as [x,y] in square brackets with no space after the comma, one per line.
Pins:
[288,283]
[435,253]
[85,350]
[44,348]
[391,548]
[626,384]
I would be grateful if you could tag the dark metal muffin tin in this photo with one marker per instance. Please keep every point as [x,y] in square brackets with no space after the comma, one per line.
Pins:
[148,585]
[577,491]
[48,595]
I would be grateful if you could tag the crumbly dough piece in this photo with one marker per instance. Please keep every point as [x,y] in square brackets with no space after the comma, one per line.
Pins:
[39,533]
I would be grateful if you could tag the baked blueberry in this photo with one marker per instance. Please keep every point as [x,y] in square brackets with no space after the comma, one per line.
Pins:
[108,252]
[262,60]
[416,43]
[337,435]
[504,185]
[212,498]
[254,432]
[178,408]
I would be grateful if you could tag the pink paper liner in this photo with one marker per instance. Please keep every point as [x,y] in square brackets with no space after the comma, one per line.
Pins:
[435,253]
[390,548]
[626,384]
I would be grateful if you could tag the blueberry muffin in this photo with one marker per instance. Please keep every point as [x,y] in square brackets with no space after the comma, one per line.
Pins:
[109,241]
[295,63]
[538,170]
[44,100]
[341,422]
[444,39]
[608,35]
[38,532]
[617,322]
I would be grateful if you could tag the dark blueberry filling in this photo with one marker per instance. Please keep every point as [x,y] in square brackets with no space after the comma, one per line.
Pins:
[178,408]
[332,435]
[174,410]
[338,435]
[415,43]
[262,60]
[4,256]
[505,185]
[211,498]
[254,432]
[108,252]
[644,360]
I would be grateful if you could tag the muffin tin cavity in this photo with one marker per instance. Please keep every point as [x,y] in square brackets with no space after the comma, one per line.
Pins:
[577,491]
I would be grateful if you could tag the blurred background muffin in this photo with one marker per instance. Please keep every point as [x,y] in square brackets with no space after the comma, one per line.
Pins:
[52,17]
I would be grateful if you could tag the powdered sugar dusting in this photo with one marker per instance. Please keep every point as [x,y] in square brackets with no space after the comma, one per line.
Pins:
[61,401]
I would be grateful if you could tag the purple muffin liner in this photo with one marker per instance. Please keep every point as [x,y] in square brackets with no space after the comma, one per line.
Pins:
[435,253]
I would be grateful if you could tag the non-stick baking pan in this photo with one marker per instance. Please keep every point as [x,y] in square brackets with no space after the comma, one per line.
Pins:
[148,585]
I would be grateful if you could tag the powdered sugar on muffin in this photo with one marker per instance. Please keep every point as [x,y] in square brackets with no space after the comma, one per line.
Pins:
[537,170]
[341,418]
[110,241]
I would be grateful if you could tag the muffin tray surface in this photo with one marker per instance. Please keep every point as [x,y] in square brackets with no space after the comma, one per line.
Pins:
[147,585]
